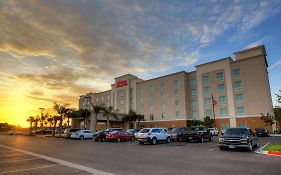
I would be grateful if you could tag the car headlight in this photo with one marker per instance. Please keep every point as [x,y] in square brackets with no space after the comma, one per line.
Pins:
[244,141]
[221,139]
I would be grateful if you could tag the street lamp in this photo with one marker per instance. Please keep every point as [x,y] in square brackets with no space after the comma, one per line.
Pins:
[41,109]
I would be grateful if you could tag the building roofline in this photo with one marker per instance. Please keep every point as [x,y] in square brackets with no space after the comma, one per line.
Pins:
[222,59]
[125,75]
[252,48]
[162,76]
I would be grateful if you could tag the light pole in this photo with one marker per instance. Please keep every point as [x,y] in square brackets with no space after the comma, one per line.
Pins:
[42,109]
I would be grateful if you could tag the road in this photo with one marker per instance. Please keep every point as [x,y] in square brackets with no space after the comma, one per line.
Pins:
[33,155]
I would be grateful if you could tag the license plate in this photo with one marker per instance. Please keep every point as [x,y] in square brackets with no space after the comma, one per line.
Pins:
[190,138]
[231,146]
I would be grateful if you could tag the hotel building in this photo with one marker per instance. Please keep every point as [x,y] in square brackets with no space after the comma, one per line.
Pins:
[240,87]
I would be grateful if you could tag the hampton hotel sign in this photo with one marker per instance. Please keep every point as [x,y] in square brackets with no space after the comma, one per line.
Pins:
[121,83]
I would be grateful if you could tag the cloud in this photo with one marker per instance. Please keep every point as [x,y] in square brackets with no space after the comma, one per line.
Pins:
[276,64]
[256,43]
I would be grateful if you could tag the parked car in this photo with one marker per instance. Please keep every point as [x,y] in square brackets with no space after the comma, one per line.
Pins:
[179,134]
[153,136]
[15,133]
[262,132]
[238,138]
[120,136]
[67,132]
[100,135]
[82,134]
[214,131]
[134,131]
[200,134]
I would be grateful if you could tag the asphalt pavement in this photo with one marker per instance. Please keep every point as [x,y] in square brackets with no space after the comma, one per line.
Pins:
[33,155]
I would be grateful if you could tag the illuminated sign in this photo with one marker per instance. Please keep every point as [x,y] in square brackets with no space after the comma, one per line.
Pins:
[121,83]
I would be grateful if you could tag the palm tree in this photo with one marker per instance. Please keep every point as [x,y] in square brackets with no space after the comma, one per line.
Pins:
[50,120]
[107,112]
[36,120]
[30,120]
[139,117]
[42,121]
[74,114]
[62,110]
[55,119]
[130,117]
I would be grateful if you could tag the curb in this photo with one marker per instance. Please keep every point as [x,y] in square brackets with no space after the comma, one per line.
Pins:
[271,153]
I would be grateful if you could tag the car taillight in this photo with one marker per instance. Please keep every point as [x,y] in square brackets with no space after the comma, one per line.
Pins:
[149,134]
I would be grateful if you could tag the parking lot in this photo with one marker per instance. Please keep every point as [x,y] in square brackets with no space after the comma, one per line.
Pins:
[33,155]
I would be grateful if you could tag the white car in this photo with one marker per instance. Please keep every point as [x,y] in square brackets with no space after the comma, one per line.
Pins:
[153,136]
[82,134]
[214,131]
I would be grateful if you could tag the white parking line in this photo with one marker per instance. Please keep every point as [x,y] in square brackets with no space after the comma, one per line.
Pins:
[20,160]
[59,161]
[27,169]
[213,149]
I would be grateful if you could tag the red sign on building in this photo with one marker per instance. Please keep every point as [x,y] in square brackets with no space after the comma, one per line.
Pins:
[121,83]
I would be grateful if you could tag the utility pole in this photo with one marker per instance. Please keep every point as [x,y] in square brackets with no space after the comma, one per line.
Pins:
[42,109]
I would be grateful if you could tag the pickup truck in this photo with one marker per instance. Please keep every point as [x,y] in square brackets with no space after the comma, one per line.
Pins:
[200,134]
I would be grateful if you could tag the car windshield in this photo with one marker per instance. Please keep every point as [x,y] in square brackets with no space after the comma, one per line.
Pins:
[236,131]
[144,130]
[130,130]
[176,129]
[260,129]
[194,128]
[115,132]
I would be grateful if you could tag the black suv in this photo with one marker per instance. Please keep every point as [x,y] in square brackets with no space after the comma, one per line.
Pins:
[261,132]
[238,138]
[179,134]
[100,135]
[199,133]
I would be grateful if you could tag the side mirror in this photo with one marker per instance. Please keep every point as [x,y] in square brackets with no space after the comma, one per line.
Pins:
[222,133]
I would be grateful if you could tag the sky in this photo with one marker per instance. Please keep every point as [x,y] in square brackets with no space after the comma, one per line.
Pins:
[57,50]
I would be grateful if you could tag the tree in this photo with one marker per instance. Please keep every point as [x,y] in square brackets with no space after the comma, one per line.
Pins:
[208,122]
[195,122]
[55,119]
[107,112]
[139,118]
[36,120]
[268,119]
[277,113]
[74,114]
[31,121]
[50,120]
[96,110]
[62,110]
[278,97]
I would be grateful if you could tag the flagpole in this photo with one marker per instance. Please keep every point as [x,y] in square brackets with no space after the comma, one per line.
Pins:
[214,111]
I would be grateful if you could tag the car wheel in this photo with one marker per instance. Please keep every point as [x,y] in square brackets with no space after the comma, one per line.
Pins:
[257,144]
[168,140]
[141,142]
[180,139]
[202,139]
[250,147]
[222,148]
[81,138]
[102,139]
[118,139]
[211,138]
[154,141]
[132,139]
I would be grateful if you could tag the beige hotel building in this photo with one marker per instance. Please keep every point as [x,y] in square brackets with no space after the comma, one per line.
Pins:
[240,87]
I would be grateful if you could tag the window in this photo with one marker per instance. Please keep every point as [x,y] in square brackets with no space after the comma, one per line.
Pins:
[141,90]
[193,81]
[141,99]
[224,126]
[240,110]
[108,97]
[236,72]
[176,83]
[221,87]
[223,112]
[177,104]
[176,93]
[162,94]
[194,114]
[222,99]
[237,85]
[140,110]
[220,76]
[121,93]
[194,103]
[151,88]
[162,86]
[151,98]
[151,107]
[163,105]
[206,79]
[208,112]
[193,92]
[122,102]
[206,90]
[208,101]
[242,125]
[101,98]
[151,117]
[177,114]
[239,97]
[163,115]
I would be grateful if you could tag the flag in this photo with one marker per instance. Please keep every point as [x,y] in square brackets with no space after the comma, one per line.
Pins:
[214,101]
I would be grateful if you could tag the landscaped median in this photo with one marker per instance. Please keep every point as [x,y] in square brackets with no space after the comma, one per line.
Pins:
[270,149]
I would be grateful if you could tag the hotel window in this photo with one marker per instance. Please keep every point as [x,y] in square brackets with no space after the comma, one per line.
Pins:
[206,90]
[97,99]
[240,110]
[220,76]
[141,90]
[163,115]
[141,99]
[236,72]
[162,86]
[222,99]
[194,114]
[151,117]
[221,87]
[208,112]
[194,103]
[242,125]
[208,101]
[224,126]
[206,79]
[151,108]
[108,97]
[193,81]
[163,105]
[122,102]
[176,83]
[162,94]
[176,93]
[237,85]
[177,114]
[140,110]
[177,104]
[151,88]
[223,112]
[239,97]
[151,98]
[193,92]
[121,94]
[162,90]
[101,98]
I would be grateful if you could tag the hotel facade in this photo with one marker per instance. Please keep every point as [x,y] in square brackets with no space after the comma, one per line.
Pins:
[240,87]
